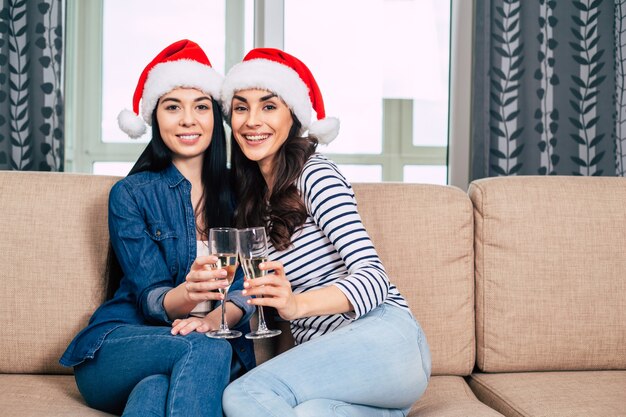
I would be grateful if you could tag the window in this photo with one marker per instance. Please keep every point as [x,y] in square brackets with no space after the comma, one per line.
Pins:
[385,74]
[103,67]
[379,67]
[123,61]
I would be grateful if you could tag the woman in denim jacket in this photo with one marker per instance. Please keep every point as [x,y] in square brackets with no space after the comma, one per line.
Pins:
[144,351]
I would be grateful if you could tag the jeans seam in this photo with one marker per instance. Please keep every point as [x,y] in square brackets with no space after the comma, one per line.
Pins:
[172,392]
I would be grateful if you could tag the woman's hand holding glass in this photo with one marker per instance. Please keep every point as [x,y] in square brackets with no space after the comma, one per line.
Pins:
[252,245]
[273,290]
[203,281]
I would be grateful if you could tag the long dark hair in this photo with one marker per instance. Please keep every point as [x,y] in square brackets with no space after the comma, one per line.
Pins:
[282,211]
[218,198]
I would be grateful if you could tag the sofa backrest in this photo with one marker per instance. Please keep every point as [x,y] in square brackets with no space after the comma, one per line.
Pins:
[52,251]
[55,242]
[424,236]
[550,273]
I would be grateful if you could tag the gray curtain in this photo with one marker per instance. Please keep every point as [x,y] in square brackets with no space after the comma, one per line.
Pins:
[549,88]
[31,85]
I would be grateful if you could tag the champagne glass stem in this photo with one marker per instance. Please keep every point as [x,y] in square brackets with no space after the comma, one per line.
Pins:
[223,325]
[262,326]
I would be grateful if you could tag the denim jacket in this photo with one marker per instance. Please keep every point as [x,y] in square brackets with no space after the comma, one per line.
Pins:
[153,233]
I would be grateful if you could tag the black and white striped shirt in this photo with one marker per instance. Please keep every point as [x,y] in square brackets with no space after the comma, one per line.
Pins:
[333,248]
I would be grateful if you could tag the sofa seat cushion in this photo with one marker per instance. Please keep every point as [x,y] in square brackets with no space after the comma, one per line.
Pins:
[42,395]
[571,394]
[450,396]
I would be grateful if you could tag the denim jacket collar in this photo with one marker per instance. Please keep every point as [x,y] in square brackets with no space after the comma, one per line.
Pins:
[172,175]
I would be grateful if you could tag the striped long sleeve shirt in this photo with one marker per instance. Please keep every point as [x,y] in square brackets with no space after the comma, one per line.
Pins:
[333,248]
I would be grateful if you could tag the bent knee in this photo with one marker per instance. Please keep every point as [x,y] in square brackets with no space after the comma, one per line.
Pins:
[233,397]
[153,386]
[159,381]
[233,391]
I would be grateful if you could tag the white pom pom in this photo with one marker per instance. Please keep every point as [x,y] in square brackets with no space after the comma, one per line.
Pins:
[325,130]
[131,124]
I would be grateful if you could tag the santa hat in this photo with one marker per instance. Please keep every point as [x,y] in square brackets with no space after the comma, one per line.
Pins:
[182,64]
[286,76]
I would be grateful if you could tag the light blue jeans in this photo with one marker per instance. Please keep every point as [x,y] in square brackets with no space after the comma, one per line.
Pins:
[145,371]
[377,366]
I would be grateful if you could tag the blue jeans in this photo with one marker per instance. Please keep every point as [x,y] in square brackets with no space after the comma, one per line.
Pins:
[376,366]
[145,371]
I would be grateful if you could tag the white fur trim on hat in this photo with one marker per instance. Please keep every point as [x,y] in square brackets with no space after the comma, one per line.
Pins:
[272,76]
[131,124]
[325,130]
[167,76]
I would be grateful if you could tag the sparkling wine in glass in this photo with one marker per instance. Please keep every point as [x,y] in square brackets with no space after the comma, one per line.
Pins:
[252,252]
[223,245]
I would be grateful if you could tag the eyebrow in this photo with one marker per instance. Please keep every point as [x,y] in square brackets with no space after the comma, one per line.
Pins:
[201,98]
[267,97]
[264,98]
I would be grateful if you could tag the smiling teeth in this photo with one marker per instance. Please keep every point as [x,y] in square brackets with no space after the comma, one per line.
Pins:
[256,137]
[188,137]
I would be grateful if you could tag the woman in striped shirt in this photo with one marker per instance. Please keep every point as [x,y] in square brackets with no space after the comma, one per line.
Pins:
[359,351]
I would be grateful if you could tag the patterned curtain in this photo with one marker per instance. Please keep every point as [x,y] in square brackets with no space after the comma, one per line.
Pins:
[549,88]
[31,85]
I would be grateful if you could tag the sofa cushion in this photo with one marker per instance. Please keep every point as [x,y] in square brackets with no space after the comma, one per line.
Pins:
[450,396]
[550,273]
[42,395]
[540,394]
[424,237]
[52,252]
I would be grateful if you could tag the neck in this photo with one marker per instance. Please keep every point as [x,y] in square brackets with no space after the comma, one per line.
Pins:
[191,169]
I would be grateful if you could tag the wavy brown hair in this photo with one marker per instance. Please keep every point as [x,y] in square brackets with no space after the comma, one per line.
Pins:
[282,211]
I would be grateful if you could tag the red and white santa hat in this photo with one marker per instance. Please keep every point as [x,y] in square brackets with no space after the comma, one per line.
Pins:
[286,76]
[182,64]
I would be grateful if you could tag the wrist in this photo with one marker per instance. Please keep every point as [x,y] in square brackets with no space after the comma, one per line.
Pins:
[177,302]
[212,322]
[299,308]
[184,294]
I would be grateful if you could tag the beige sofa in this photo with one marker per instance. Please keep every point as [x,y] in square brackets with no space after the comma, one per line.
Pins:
[520,286]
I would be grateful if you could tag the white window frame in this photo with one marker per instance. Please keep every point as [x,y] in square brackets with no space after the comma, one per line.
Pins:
[460,101]
[83,88]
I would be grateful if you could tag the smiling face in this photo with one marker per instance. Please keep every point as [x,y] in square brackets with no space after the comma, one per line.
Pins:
[260,123]
[185,117]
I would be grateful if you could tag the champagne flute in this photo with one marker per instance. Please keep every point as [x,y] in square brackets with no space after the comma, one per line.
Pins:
[253,251]
[223,245]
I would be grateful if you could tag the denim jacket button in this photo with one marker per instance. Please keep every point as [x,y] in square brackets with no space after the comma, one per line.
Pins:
[158,233]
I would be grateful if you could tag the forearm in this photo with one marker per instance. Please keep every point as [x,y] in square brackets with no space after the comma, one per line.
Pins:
[232,315]
[177,303]
[325,301]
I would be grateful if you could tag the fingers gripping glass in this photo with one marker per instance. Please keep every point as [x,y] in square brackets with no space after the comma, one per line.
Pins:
[252,252]
[223,245]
